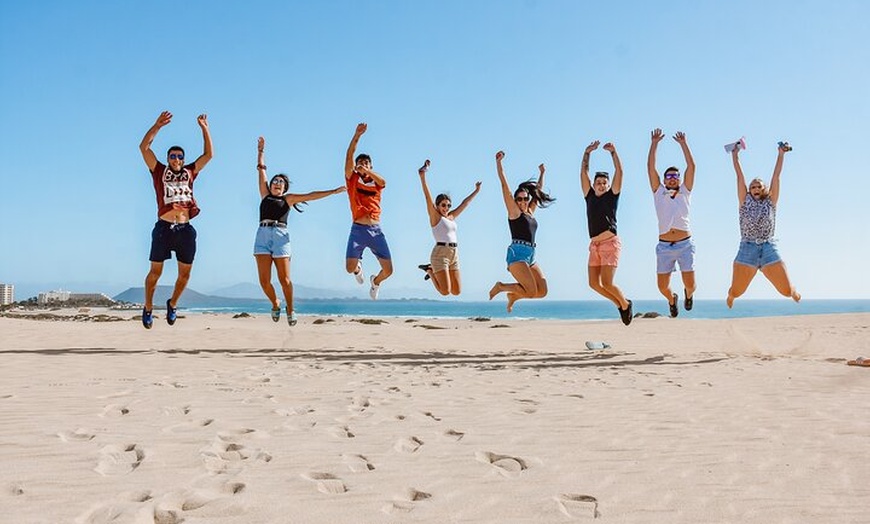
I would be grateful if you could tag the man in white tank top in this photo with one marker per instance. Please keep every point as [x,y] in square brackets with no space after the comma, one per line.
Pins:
[672,198]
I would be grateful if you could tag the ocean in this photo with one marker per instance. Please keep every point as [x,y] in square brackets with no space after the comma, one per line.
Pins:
[544,309]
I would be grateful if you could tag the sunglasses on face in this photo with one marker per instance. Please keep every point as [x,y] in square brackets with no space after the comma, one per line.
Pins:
[448,205]
[672,176]
[523,199]
[176,156]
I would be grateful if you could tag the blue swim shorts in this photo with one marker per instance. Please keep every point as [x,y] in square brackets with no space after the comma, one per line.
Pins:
[669,254]
[273,241]
[363,236]
[757,255]
[520,252]
[167,237]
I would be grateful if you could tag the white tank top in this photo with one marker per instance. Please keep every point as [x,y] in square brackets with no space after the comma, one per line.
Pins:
[445,231]
[673,213]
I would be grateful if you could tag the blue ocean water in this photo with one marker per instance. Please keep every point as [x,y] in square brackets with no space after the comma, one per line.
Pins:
[547,309]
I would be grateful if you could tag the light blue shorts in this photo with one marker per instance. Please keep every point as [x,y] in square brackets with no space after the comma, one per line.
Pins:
[757,255]
[273,241]
[520,252]
[669,254]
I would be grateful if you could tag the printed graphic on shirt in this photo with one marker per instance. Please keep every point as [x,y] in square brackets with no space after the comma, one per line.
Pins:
[176,187]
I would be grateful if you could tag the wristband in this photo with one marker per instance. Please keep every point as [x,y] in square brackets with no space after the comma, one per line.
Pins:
[261,166]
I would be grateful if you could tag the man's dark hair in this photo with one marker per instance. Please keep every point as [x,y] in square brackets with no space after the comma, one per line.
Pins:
[363,156]
[174,148]
[672,169]
[601,174]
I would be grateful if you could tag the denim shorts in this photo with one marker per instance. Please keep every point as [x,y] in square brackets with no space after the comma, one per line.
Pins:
[363,236]
[757,255]
[167,237]
[669,254]
[520,252]
[273,241]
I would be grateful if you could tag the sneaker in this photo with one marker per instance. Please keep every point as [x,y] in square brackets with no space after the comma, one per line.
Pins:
[674,309]
[373,291]
[358,274]
[690,301]
[147,318]
[291,318]
[171,313]
[626,314]
[276,314]
[426,268]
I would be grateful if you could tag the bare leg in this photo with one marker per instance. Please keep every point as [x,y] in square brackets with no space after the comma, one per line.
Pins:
[180,282]
[741,276]
[778,276]
[264,274]
[151,284]
[282,266]
[385,272]
[689,283]
[663,280]
[596,285]
[352,265]
[455,282]
[607,274]
[525,286]
[441,281]
[540,288]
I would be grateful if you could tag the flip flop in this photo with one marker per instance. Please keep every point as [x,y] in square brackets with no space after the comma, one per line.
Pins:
[860,361]
[689,303]
[675,310]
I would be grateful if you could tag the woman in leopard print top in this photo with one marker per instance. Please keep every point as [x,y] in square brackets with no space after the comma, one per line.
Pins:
[757,225]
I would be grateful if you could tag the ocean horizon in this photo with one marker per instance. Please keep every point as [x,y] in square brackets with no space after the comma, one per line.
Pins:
[540,309]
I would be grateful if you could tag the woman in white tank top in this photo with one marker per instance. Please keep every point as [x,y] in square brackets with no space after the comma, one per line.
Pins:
[443,266]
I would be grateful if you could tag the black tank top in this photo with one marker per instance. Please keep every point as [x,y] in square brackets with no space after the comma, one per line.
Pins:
[523,228]
[601,212]
[274,208]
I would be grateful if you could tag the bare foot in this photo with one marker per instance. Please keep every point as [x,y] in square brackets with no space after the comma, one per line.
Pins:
[496,289]
[796,296]
[512,297]
[729,301]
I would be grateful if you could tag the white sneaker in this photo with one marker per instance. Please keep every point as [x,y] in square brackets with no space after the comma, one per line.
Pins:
[373,291]
[358,275]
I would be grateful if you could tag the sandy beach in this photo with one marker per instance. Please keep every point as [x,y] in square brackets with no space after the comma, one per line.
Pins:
[227,420]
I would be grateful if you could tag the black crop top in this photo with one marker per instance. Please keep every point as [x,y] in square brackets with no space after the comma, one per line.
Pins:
[523,228]
[274,208]
[601,212]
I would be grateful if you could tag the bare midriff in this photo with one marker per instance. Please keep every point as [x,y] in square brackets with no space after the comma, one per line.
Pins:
[674,235]
[176,216]
[603,236]
[366,221]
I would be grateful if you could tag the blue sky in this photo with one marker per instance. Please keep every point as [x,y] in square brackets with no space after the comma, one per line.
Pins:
[81,82]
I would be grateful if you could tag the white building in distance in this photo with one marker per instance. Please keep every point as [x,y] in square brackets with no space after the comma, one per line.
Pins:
[7,294]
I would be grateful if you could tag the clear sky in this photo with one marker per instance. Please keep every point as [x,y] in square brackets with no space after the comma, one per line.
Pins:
[453,81]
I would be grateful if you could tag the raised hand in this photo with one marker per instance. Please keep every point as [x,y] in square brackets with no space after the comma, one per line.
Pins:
[477,186]
[261,144]
[164,118]
[609,147]
[424,167]
[680,137]
[592,147]
[499,156]
[361,128]
[657,135]
[541,168]
[202,120]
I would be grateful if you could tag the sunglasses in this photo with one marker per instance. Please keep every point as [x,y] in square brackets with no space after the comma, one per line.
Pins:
[672,176]
[523,199]
[448,205]
[175,156]
[278,181]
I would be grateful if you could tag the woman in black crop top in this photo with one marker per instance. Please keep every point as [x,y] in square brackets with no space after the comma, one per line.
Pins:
[272,244]
[521,205]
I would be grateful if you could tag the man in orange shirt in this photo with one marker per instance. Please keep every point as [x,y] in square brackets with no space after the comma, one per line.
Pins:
[364,188]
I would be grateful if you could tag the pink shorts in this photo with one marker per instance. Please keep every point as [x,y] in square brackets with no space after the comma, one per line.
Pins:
[605,252]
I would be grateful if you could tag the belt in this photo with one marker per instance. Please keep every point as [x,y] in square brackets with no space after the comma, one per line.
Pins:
[448,244]
[174,224]
[523,242]
[272,223]
[757,241]
[672,242]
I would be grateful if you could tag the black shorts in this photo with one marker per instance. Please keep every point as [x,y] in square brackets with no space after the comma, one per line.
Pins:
[167,237]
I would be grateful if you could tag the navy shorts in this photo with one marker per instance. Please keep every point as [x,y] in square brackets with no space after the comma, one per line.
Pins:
[363,236]
[167,237]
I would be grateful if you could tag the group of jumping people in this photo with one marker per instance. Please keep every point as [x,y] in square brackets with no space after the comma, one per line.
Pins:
[173,185]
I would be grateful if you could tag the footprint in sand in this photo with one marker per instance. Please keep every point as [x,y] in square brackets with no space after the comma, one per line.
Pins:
[405,503]
[115,410]
[575,505]
[174,411]
[326,482]
[408,445]
[430,415]
[186,427]
[357,463]
[119,460]
[453,434]
[14,489]
[505,464]
[230,457]
[78,435]
[294,411]
[342,432]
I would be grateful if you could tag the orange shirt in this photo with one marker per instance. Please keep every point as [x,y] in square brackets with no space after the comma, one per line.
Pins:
[365,197]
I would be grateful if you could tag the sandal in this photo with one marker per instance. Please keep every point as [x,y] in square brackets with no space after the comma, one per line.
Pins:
[291,318]
[690,301]
[276,314]
[675,310]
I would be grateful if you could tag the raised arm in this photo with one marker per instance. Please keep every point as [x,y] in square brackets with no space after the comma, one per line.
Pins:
[434,217]
[777,170]
[351,149]
[585,183]
[206,155]
[616,186]
[655,137]
[513,210]
[294,198]
[261,167]
[741,181]
[145,145]
[467,200]
[689,174]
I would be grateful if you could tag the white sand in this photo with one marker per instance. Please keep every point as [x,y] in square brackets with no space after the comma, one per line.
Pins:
[245,421]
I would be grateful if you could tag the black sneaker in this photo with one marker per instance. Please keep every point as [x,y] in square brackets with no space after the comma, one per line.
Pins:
[426,268]
[675,310]
[626,314]
[147,318]
[690,301]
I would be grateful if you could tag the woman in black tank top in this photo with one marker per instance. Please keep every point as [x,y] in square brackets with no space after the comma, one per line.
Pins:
[521,205]
[272,244]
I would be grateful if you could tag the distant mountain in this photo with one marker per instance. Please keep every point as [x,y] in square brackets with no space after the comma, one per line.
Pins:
[190,298]
[251,290]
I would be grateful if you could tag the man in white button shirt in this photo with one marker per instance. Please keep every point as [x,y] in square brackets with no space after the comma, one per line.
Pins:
[673,199]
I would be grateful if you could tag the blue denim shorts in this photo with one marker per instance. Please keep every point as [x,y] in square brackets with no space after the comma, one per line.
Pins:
[167,237]
[669,254]
[520,252]
[363,236]
[757,255]
[273,241]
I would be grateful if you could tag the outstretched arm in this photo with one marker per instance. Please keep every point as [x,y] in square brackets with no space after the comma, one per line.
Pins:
[655,137]
[434,217]
[513,210]
[777,170]
[294,198]
[616,186]
[206,155]
[145,146]
[585,183]
[467,200]
[689,175]
[741,181]
[351,149]
[261,167]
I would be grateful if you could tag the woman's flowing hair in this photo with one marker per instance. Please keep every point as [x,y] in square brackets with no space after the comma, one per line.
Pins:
[538,195]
